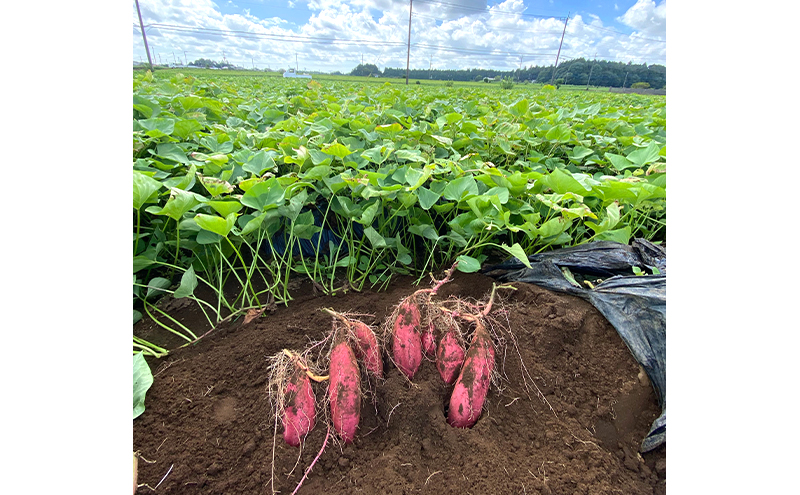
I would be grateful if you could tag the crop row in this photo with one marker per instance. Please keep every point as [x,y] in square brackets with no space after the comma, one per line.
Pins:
[253,180]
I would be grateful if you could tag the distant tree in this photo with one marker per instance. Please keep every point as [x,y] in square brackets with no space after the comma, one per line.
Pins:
[366,70]
[640,85]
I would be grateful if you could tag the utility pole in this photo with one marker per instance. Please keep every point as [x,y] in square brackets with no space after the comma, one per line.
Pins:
[296,65]
[144,37]
[559,48]
[590,73]
[254,63]
[626,80]
[174,59]
[408,53]
[186,60]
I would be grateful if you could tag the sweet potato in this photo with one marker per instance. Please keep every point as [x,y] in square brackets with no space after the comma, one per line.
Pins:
[407,342]
[299,414]
[472,385]
[367,348]
[344,391]
[449,356]
[429,340]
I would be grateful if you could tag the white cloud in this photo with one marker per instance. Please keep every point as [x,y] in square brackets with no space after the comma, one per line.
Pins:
[647,18]
[444,37]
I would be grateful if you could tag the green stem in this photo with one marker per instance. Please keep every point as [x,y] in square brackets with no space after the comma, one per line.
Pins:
[138,231]
[165,327]
[248,274]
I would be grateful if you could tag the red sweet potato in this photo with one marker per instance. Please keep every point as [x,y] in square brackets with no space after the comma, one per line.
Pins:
[367,348]
[344,391]
[472,385]
[449,356]
[299,414]
[429,340]
[407,342]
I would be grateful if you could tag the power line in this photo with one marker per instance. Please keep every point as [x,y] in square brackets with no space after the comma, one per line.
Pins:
[488,28]
[271,36]
[488,10]
[478,51]
[590,26]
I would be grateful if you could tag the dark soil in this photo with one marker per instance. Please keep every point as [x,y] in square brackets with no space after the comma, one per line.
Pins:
[209,422]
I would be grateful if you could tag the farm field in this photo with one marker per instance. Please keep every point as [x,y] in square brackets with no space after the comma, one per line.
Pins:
[259,200]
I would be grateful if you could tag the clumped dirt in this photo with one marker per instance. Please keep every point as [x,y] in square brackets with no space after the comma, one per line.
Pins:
[209,420]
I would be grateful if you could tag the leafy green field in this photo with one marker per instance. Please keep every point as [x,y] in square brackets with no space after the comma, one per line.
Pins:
[235,175]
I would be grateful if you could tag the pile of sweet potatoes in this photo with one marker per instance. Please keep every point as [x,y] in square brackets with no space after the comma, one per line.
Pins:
[453,333]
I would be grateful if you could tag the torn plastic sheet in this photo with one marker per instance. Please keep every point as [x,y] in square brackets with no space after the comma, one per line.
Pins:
[635,305]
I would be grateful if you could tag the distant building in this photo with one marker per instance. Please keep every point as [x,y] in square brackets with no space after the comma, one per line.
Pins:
[292,73]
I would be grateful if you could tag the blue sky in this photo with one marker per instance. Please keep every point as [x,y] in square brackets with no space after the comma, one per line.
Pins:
[329,35]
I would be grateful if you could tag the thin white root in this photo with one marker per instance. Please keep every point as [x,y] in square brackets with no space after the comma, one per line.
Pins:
[431,476]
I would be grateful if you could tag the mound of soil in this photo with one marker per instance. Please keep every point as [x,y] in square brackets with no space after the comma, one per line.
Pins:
[575,429]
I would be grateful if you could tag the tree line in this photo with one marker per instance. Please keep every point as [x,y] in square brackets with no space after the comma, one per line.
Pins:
[576,72]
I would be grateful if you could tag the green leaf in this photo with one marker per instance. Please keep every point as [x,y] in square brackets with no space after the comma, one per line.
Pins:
[336,149]
[259,163]
[145,190]
[643,156]
[374,237]
[185,182]
[619,162]
[225,207]
[317,173]
[580,152]
[561,182]
[215,187]
[145,106]
[446,141]
[519,108]
[179,203]
[425,230]
[622,235]
[142,380]
[184,128]
[188,284]
[158,127]
[461,187]
[218,225]
[264,195]
[369,213]
[410,155]
[427,198]
[468,264]
[171,151]
[553,227]
[516,251]
[345,207]
[609,221]
[303,227]
[559,133]
[141,262]
[157,286]
[377,155]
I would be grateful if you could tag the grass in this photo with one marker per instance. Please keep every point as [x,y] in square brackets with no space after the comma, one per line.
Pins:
[370,80]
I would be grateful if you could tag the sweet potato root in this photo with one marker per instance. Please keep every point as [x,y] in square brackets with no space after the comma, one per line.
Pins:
[344,391]
[367,348]
[299,414]
[429,340]
[449,356]
[472,384]
[406,339]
